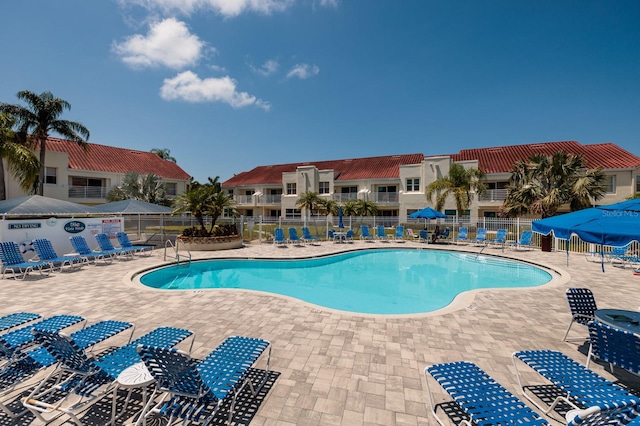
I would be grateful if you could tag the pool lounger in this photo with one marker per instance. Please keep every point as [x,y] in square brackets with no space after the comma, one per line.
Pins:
[483,399]
[576,385]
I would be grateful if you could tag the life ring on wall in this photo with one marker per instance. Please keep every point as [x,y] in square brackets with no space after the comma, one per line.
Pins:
[26,246]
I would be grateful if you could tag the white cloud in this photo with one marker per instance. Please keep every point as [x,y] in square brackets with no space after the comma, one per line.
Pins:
[303,71]
[329,3]
[268,68]
[168,43]
[187,86]
[227,8]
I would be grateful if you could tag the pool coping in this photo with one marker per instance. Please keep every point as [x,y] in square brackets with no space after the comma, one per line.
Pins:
[463,301]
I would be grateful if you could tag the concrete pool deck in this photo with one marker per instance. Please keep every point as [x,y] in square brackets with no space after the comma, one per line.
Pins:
[337,368]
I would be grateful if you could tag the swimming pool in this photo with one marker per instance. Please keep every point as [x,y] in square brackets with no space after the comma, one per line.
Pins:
[377,281]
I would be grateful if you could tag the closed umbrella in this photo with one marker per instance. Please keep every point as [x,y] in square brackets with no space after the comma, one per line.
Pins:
[340,224]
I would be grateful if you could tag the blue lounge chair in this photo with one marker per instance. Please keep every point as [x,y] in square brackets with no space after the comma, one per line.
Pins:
[45,251]
[37,358]
[381,235]
[399,234]
[578,386]
[613,345]
[16,319]
[105,245]
[306,235]
[195,390]
[481,236]
[500,239]
[331,234]
[463,235]
[424,236]
[278,236]
[483,399]
[14,263]
[78,375]
[125,242]
[364,233]
[583,306]
[523,242]
[293,236]
[81,247]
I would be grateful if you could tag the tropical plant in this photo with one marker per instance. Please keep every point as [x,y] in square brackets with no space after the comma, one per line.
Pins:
[22,163]
[309,201]
[460,183]
[366,208]
[542,184]
[40,117]
[327,206]
[165,154]
[144,187]
[201,201]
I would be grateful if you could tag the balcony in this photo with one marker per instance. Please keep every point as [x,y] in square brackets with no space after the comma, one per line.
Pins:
[272,199]
[497,195]
[244,199]
[386,197]
[88,191]
[340,198]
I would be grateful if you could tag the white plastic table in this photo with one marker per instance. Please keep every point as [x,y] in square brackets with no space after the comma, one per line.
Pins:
[136,376]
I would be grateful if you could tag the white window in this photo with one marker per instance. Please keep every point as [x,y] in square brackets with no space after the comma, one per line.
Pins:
[610,184]
[51,175]
[293,213]
[637,183]
[323,187]
[291,189]
[172,189]
[413,184]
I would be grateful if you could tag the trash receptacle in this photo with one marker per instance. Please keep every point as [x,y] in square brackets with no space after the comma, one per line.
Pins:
[545,242]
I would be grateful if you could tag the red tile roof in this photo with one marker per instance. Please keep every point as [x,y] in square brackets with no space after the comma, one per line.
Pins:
[110,159]
[498,159]
[501,159]
[351,169]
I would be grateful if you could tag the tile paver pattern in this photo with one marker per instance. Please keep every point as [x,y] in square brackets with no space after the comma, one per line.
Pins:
[340,368]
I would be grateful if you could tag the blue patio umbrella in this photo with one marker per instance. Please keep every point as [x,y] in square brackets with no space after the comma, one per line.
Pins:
[340,224]
[613,225]
[427,213]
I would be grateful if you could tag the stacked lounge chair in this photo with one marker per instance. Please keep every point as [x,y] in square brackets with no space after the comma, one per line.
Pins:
[105,245]
[194,391]
[82,248]
[45,251]
[14,263]
[125,242]
[79,380]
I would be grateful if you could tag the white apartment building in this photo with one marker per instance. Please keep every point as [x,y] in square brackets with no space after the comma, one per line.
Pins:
[396,183]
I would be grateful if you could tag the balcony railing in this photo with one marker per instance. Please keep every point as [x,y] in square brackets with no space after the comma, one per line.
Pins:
[493,195]
[244,199]
[272,198]
[386,197]
[88,191]
[340,197]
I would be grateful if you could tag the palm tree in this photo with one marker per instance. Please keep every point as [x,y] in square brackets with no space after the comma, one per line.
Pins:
[459,183]
[38,119]
[165,154]
[542,184]
[366,208]
[309,201]
[144,187]
[201,201]
[328,206]
[23,164]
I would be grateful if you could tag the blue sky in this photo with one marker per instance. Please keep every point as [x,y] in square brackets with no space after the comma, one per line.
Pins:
[227,85]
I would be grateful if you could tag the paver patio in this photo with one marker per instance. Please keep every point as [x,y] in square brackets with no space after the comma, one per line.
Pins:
[339,368]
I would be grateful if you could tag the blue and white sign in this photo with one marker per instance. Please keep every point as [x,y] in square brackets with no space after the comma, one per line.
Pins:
[74,227]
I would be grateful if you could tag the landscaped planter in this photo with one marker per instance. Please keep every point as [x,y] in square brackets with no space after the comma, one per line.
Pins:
[209,243]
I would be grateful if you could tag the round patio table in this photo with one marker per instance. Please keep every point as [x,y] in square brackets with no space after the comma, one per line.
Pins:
[622,319]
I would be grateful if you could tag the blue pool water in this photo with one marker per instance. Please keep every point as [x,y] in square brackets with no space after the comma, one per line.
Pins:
[367,281]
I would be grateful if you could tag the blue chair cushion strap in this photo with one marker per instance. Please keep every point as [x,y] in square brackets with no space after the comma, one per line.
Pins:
[65,351]
[485,400]
[619,347]
[125,356]
[13,340]
[16,319]
[226,365]
[582,384]
[99,332]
